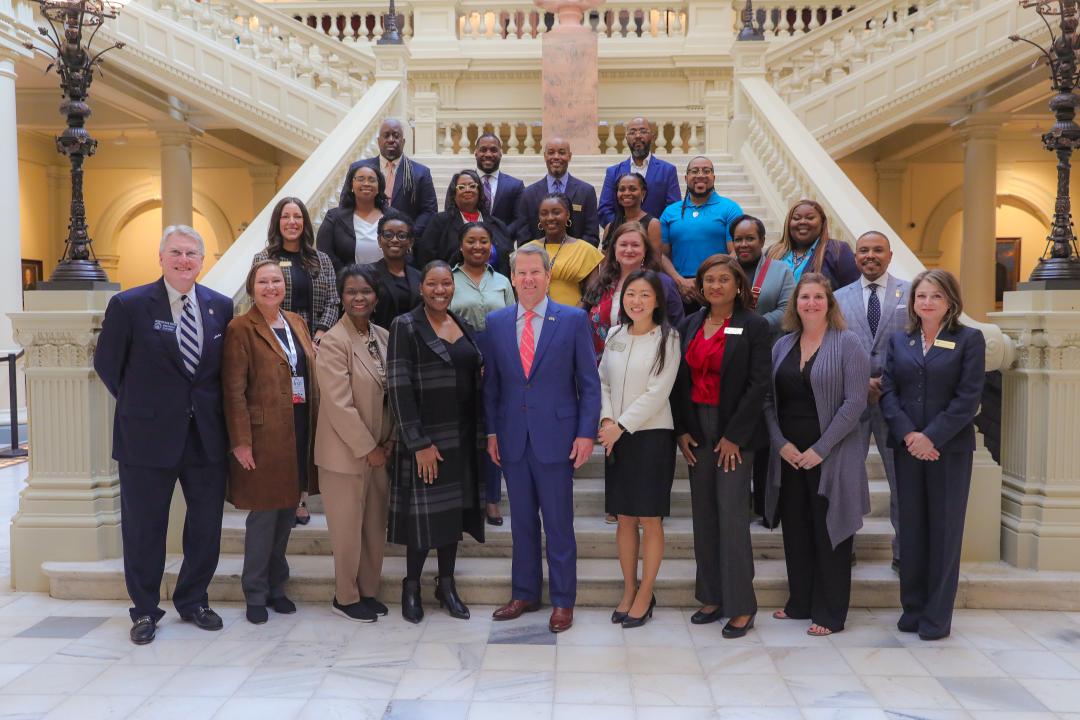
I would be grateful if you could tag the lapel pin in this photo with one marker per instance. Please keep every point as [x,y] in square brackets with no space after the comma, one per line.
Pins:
[911,343]
[210,310]
[551,318]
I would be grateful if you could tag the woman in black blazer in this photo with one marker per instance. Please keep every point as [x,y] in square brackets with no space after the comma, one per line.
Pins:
[362,208]
[465,202]
[930,393]
[718,399]
[399,282]
[436,488]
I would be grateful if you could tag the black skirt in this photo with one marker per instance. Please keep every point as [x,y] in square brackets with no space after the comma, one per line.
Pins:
[639,474]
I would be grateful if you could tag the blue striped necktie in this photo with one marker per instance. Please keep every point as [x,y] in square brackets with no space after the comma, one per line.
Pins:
[189,337]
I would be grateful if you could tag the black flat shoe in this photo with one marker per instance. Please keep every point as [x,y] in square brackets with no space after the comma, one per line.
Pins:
[204,618]
[731,632]
[283,605]
[704,618]
[142,632]
[374,606]
[357,611]
[256,614]
[446,594]
[632,622]
[411,609]
[495,520]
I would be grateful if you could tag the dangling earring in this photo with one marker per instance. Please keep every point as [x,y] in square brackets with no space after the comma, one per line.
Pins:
[539,225]
[569,223]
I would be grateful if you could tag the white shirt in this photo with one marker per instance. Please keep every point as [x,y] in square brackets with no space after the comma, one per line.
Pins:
[641,169]
[493,183]
[176,305]
[367,240]
[880,291]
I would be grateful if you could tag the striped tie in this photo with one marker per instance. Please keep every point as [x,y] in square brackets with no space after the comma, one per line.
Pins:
[188,337]
[528,343]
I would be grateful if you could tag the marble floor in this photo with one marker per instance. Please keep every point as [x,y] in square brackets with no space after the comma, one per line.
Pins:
[72,659]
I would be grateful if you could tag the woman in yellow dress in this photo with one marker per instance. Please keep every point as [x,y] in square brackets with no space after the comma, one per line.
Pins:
[574,262]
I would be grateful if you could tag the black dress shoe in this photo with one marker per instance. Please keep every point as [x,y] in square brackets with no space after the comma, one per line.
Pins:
[731,631]
[142,632]
[357,611]
[704,618]
[447,595]
[283,605]
[374,606]
[495,520]
[204,618]
[896,566]
[411,608]
[257,615]
[635,622]
[931,638]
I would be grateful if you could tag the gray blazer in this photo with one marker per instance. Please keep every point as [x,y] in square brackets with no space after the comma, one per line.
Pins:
[839,378]
[776,291]
[894,317]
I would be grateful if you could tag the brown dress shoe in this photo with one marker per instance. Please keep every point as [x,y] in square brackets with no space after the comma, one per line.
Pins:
[561,619]
[515,609]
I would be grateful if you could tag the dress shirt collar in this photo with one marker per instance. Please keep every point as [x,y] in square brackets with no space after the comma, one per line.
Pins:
[565,180]
[494,175]
[540,309]
[174,294]
[460,269]
[643,168]
[881,282]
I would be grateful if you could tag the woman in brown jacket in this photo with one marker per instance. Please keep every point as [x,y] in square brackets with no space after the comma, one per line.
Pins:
[270,398]
[353,445]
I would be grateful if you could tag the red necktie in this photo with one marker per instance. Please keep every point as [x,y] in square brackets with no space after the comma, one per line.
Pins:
[528,343]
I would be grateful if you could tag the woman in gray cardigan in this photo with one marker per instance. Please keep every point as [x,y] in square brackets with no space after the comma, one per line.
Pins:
[817,472]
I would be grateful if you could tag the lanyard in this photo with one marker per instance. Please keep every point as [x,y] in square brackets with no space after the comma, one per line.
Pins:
[290,349]
[755,291]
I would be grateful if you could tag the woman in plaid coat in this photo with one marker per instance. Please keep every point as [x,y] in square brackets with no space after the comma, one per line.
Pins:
[436,485]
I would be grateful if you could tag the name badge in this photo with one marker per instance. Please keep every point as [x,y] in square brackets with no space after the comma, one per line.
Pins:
[285,263]
[732,330]
[577,207]
[946,344]
[617,346]
[299,393]
[164,326]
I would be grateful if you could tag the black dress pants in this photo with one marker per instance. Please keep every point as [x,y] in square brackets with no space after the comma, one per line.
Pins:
[145,496]
[933,500]
[819,576]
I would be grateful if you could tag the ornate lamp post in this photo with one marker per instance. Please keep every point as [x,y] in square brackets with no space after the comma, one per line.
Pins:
[749,31]
[1060,263]
[391,36]
[75,64]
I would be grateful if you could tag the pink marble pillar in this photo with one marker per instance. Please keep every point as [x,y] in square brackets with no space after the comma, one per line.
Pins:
[570,77]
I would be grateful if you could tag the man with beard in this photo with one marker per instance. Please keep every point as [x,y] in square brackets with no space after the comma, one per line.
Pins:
[875,307]
[502,190]
[697,227]
[661,177]
[582,197]
[408,183]
[771,283]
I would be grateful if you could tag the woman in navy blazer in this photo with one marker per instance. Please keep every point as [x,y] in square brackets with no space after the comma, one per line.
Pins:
[930,393]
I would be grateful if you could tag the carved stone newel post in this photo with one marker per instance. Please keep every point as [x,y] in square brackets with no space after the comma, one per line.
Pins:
[569,75]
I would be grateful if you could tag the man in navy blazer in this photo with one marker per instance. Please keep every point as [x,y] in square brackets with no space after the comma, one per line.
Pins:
[582,196]
[542,407]
[159,354]
[503,191]
[874,320]
[661,177]
[409,185]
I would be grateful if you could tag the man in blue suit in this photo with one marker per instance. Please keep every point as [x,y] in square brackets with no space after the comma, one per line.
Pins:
[408,183]
[503,191]
[159,354]
[661,177]
[542,405]
[582,196]
[875,307]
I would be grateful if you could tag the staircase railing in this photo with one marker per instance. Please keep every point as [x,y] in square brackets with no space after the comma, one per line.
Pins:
[317,182]
[786,162]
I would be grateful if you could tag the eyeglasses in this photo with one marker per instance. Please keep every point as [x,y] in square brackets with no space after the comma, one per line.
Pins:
[401,237]
[365,181]
[462,186]
[190,255]
[694,172]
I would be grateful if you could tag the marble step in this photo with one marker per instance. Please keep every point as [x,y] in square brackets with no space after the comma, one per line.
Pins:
[595,539]
[487,581]
[589,499]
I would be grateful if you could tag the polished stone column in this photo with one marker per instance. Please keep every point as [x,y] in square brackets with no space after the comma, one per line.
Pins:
[176,193]
[570,77]
[979,133]
[10,264]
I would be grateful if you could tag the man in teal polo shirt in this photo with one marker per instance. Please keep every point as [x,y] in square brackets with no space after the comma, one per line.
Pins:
[697,226]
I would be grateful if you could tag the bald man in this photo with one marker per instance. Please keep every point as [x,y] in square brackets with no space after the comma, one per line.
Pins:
[582,197]
[408,183]
[875,307]
[661,177]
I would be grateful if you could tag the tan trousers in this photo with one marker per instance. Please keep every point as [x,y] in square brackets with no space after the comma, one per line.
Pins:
[356,507]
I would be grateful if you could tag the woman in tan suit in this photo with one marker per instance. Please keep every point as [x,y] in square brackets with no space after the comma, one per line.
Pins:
[353,444]
[270,404]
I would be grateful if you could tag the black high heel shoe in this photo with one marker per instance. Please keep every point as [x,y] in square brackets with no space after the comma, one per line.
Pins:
[632,622]
[617,617]
[446,594]
[411,609]
[731,632]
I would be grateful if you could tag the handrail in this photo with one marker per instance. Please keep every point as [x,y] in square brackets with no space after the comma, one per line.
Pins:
[786,162]
[316,182]
[778,54]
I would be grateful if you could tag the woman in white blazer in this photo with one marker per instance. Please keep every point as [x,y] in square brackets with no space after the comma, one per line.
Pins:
[637,372]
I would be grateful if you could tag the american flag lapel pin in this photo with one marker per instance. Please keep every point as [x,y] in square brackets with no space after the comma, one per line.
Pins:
[551,318]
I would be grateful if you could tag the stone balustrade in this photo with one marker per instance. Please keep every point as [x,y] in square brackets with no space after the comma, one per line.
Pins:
[782,19]
[272,39]
[524,136]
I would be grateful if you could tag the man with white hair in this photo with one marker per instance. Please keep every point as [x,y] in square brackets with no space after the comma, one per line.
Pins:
[159,354]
